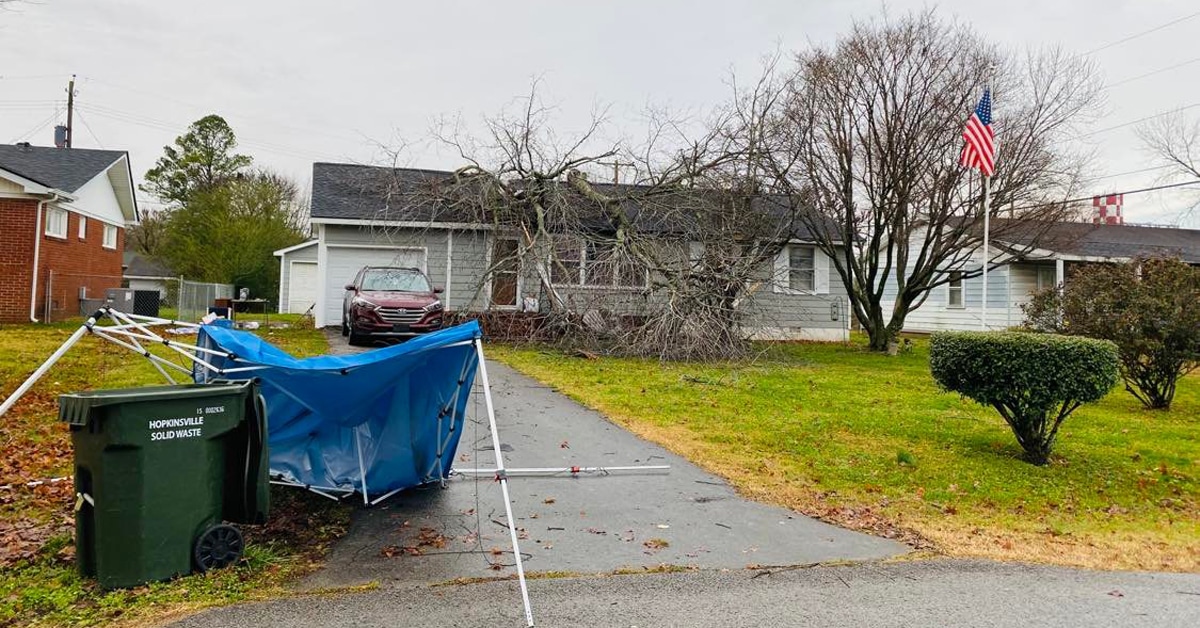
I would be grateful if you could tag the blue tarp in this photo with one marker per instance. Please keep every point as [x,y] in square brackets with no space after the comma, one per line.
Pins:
[400,406]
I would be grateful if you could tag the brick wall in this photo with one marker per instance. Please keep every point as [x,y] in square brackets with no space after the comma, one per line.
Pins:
[16,257]
[75,263]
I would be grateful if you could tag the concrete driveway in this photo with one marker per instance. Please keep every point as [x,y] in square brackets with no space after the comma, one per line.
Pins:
[581,525]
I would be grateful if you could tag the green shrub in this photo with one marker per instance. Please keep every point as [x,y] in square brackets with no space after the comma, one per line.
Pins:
[1149,307]
[1033,380]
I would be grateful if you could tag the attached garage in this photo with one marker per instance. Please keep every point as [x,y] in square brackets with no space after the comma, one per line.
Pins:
[343,261]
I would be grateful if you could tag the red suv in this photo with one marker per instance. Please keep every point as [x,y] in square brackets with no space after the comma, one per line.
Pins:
[386,301]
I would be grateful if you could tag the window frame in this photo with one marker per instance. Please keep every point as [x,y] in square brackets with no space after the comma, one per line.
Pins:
[81,231]
[793,270]
[61,232]
[580,262]
[956,276]
[104,237]
[1040,271]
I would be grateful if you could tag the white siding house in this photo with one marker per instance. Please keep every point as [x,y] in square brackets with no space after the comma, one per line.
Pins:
[796,299]
[1027,267]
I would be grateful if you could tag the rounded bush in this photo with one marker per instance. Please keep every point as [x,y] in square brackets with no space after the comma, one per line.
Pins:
[1033,380]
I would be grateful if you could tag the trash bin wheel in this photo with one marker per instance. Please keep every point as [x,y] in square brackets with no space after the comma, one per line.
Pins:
[219,546]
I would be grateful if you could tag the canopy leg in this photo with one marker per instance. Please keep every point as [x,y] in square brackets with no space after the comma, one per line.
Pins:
[41,370]
[362,470]
[512,523]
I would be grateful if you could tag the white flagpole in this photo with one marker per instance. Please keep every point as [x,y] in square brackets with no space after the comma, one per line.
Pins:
[987,210]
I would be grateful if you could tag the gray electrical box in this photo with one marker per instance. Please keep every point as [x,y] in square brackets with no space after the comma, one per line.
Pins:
[119,298]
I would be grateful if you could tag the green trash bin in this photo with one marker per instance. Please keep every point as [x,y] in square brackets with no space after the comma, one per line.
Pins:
[159,472]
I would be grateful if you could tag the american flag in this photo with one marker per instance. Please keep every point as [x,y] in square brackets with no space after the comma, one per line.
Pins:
[980,151]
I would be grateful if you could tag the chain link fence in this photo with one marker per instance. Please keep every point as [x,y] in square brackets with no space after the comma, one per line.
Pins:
[193,298]
[72,295]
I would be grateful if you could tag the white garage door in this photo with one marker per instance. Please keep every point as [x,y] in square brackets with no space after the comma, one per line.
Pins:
[345,262]
[302,287]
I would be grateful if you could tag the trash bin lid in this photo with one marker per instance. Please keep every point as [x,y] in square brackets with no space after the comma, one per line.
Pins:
[76,408]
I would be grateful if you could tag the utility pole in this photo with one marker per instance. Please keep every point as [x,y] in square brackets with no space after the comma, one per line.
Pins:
[70,110]
[616,165]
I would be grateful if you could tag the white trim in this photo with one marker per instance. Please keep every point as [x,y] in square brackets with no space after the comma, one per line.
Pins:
[394,247]
[322,267]
[291,273]
[93,216]
[294,247]
[365,222]
[81,229]
[1046,255]
[815,334]
[279,297]
[31,186]
[449,269]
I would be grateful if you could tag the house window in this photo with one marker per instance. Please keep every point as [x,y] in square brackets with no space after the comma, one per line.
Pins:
[597,264]
[954,290]
[564,268]
[56,222]
[82,227]
[110,237]
[1047,277]
[801,267]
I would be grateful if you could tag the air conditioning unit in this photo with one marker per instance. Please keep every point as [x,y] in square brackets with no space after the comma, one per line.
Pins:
[119,298]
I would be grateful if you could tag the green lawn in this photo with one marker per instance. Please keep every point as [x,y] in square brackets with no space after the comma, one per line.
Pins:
[869,442]
[38,581]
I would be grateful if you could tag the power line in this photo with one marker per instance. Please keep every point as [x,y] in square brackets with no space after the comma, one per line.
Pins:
[1128,172]
[1142,34]
[1124,193]
[161,125]
[1140,120]
[89,128]
[1152,73]
[38,127]
[177,101]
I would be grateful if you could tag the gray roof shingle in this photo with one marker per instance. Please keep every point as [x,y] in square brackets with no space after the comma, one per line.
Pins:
[1113,241]
[65,169]
[375,193]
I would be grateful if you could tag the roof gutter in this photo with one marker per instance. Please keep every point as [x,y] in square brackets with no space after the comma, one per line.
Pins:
[37,249]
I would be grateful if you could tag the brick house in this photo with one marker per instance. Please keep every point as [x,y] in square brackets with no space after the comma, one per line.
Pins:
[63,214]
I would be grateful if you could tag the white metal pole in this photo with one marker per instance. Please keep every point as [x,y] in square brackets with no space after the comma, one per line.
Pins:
[512,524]
[556,471]
[41,370]
[987,210]
[362,470]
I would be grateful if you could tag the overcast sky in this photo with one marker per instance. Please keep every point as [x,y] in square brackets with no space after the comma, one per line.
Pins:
[302,81]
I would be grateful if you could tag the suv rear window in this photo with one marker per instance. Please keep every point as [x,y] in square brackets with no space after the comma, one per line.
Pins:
[395,280]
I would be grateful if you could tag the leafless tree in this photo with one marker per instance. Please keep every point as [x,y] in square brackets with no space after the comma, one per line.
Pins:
[873,138]
[1174,142]
[662,261]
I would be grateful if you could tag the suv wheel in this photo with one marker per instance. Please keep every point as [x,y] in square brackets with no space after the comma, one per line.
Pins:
[345,327]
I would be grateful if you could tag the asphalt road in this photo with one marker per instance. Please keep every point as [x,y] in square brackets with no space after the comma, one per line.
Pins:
[930,593]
